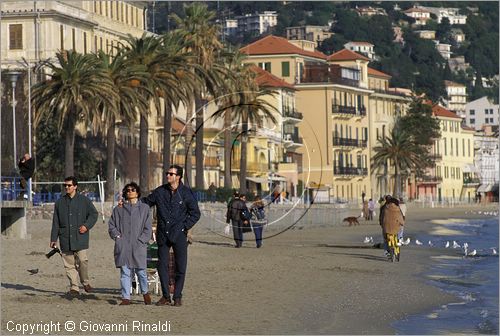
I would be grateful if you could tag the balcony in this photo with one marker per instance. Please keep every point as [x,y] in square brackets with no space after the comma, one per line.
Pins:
[348,111]
[289,113]
[292,141]
[330,73]
[346,142]
[471,181]
[436,157]
[429,179]
[350,171]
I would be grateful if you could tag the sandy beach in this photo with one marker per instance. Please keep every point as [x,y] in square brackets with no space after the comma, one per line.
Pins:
[317,280]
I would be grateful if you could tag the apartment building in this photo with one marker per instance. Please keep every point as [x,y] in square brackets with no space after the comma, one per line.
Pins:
[364,48]
[426,34]
[420,15]
[452,14]
[481,112]
[487,162]
[457,97]
[257,23]
[454,154]
[311,33]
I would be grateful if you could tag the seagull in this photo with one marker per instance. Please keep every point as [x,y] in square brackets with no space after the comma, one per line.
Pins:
[466,248]
[407,241]
[473,253]
[455,244]
[367,240]
[494,251]
[447,244]
[430,243]
[418,242]
[33,271]
[371,239]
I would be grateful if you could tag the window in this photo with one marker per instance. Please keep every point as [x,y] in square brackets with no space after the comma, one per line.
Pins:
[463,147]
[285,69]
[15,36]
[456,147]
[451,146]
[73,38]
[265,65]
[486,120]
[491,120]
[486,111]
[61,36]
[84,42]
[445,147]
[472,121]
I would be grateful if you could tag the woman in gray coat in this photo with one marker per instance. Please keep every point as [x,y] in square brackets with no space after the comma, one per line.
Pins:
[130,227]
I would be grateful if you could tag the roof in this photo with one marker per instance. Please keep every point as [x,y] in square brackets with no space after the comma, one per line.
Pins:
[415,9]
[274,45]
[373,72]
[360,43]
[467,128]
[346,55]
[450,83]
[440,111]
[265,78]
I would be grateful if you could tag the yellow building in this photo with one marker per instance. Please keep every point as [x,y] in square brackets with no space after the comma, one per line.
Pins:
[455,153]
[385,104]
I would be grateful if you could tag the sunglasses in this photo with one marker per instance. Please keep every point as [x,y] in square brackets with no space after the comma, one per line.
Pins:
[171,174]
[131,190]
[67,185]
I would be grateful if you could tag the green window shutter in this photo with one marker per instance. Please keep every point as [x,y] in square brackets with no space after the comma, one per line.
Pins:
[267,66]
[285,69]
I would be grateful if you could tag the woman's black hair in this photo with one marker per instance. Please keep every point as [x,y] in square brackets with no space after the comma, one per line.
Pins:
[133,185]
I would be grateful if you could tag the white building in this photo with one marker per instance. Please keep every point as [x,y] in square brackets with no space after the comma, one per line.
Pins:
[486,162]
[452,14]
[481,112]
[230,27]
[457,97]
[420,15]
[444,49]
[257,23]
[364,48]
[426,34]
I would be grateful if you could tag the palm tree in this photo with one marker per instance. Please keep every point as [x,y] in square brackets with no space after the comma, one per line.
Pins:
[75,87]
[131,97]
[402,153]
[201,39]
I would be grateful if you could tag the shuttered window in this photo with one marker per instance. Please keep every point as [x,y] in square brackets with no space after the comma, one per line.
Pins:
[16,36]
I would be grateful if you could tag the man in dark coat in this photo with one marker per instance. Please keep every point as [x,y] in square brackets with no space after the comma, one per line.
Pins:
[235,209]
[74,216]
[177,212]
[26,169]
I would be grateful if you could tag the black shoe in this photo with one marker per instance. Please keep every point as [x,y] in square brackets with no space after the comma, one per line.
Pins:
[164,302]
[178,302]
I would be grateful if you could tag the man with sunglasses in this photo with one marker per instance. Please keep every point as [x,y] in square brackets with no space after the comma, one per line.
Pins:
[74,216]
[177,212]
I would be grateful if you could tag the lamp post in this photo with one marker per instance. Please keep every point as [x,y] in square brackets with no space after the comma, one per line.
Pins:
[13,76]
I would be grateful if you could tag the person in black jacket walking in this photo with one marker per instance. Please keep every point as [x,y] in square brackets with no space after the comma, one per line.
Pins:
[177,211]
[235,209]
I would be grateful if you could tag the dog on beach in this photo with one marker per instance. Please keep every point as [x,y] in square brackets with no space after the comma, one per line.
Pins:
[351,220]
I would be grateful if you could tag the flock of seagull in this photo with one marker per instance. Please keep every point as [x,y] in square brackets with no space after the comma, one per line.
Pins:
[454,244]
[486,213]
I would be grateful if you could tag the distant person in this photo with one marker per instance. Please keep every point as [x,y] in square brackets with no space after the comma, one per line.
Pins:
[258,219]
[276,193]
[371,209]
[402,207]
[363,195]
[74,216]
[26,169]
[212,191]
[234,212]
[177,212]
[365,210]
[130,228]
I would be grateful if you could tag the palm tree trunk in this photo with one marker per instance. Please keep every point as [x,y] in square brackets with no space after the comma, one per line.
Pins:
[228,183]
[396,180]
[69,151]
[200,178]
[143,155]
[110,165]
[167,133]
[188,145]
[243,158]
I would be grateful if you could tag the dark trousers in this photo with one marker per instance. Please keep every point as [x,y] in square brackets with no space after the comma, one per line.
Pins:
[257,230]
[237,232]
[180,255]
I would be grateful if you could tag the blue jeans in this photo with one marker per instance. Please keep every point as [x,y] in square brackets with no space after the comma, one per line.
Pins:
[257,230]
[126,280]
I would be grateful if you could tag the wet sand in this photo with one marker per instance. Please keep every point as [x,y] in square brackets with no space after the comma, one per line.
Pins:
[317,280]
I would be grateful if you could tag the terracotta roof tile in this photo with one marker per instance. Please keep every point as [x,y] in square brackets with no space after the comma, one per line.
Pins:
[265,78]
[440,111]
[274,45]
[450,83]
[374,72]
[346,55]
[415,10]
[360,43]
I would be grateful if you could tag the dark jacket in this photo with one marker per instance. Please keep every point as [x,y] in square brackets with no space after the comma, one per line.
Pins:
[177,212]
[132,222]
[234,209]
[69,215]
[26,168]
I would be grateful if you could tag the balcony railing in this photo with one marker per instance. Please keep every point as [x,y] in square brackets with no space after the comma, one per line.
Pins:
[292,114]
[346,142]
[436,157]
[471,180]
[292,138]
[349,110]
[353,171]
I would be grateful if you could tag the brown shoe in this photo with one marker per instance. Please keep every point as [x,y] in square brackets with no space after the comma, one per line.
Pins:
[73,292]
[178,302]
[125,302]
[164,302]
[88,288]
[147,299]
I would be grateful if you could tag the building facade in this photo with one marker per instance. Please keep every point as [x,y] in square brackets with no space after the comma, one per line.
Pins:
[316,34]
[363,48]
[257,23]
[481,112]
[457,97]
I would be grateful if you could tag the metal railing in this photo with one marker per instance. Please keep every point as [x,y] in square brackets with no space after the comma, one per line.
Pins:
[347,142]
[435,179]
[11,188]
[349,110]
[338,170]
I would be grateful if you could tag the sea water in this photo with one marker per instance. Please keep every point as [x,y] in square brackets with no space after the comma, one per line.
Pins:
[473,280]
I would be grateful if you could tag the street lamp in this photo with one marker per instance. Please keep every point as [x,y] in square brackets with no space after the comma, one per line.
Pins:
[13,76]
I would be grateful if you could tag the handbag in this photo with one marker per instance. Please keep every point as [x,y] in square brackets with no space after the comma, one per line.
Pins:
[227,229]
[246,227]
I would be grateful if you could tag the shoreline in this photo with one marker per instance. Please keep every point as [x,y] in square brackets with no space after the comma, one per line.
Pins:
[308,280]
